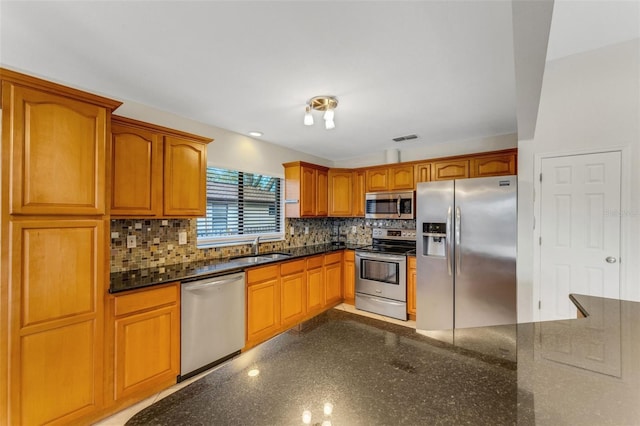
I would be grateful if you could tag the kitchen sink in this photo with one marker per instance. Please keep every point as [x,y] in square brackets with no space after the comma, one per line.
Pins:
[273,256]
[250,260]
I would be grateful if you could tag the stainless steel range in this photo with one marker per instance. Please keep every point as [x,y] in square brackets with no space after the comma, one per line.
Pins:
[381,272]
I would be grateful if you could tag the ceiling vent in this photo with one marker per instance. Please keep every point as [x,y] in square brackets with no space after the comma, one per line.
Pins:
[405,138]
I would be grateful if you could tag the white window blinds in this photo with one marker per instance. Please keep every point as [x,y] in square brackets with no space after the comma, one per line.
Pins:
[240,204]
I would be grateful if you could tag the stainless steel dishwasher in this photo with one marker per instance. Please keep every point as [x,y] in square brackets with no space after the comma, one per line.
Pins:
[212,322]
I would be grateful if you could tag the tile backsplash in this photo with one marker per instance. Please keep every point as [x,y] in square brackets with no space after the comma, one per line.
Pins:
[157,244]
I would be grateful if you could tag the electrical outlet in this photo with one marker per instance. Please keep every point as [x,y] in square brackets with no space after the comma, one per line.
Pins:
[354,229]
[306,230]
[169,246]
[138,225]
[156,240]
[182,237]
[131,241]
[291,231]
[165,222]
[114,235]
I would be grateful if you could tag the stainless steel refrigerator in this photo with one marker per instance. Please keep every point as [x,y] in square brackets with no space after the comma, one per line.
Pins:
[466,253]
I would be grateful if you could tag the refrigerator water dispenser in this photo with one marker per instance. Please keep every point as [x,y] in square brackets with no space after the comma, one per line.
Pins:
[434,239]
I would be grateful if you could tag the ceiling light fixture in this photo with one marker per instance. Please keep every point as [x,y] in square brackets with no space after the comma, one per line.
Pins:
[321,103]
[256,134]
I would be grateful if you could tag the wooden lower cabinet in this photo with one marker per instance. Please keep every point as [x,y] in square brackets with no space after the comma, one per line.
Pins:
[411,287]
[315,284]
[146,335]
[292,292]
[333,278]
[263,303]
[349,277]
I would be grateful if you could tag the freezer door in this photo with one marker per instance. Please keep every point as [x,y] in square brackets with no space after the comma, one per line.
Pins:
[485,225]
[434,277]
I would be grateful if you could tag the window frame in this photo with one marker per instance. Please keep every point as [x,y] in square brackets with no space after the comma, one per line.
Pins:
[239,239]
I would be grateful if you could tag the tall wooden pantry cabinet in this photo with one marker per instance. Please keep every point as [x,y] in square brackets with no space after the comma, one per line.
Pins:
[54,232]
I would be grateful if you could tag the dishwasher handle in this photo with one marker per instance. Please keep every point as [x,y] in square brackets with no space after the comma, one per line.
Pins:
[210,284]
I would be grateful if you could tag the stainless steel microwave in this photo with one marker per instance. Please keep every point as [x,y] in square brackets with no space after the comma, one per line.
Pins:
[390,205]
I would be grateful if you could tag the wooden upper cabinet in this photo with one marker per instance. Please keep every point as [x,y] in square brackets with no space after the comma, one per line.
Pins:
[58,147]
[377,180]
[494,165]
[156,172]
[340,193]
[422,172]
[447,170]
[136,171]
[358,193]
[306,190]
[185,172]
[401,177]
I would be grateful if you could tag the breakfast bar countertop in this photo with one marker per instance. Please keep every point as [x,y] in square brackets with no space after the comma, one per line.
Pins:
[349,369]
[140,278]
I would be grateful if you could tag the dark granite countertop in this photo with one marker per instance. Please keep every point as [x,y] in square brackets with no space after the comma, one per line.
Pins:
[140,278]
[352,370]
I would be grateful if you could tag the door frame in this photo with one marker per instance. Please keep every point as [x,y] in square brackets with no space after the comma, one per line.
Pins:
[625,198]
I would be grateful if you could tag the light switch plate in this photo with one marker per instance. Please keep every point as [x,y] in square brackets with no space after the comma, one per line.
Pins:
[306,230]
[182,237]
[353,229]
[131,241]
[165,222]
[291,231]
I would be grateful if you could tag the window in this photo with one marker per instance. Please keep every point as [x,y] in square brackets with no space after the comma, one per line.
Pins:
[240,206]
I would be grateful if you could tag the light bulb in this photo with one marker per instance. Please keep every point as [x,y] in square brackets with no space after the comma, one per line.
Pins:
[308,118]
[329,124]
[328,115]
[306,417]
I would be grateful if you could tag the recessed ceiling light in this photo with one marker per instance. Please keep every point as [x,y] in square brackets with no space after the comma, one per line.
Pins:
[256,134]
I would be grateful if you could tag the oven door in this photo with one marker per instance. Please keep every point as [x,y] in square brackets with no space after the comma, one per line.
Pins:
[382,275]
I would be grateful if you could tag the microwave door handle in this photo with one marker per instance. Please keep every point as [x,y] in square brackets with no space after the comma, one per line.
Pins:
[398,206]
[447,242]
[458,250]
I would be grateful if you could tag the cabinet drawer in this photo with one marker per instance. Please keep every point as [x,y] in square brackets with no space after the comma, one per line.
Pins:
[289,268]
[262,274]
[349,255]
[314,262]
[332,258]
[145,299]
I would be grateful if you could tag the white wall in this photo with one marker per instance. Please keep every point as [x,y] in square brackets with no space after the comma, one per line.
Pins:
[409,153]
[229,149]
[589,101]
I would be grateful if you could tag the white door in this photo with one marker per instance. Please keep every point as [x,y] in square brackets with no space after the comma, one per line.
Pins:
[579,230]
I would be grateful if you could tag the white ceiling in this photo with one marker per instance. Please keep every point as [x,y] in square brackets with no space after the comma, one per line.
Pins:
[440,69]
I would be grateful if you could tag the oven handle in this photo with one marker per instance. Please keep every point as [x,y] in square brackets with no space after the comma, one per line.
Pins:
[376,256]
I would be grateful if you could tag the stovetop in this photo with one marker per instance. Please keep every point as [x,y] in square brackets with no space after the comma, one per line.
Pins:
[392,241]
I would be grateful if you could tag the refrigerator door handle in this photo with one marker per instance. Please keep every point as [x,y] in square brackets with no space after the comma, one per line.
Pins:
[447,241]
[458,251]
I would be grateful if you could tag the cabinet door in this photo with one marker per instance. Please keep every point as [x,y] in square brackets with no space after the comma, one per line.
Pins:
[57,153]
[340,190]
[315,284]
[185,168]
[136,172]
[292,298]
[377,180]
[358,193]
[423,172]
[494,165]
[349,278]
[308,185]
[56,320]
[322,193]
[401,177]
[411,286]
[147,350]
[263,309]
[333,280]
[447,170]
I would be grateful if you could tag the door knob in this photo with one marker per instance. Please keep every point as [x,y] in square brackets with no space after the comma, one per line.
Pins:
[611,259]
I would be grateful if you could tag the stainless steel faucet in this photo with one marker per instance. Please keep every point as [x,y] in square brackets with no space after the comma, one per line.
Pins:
[256,247]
